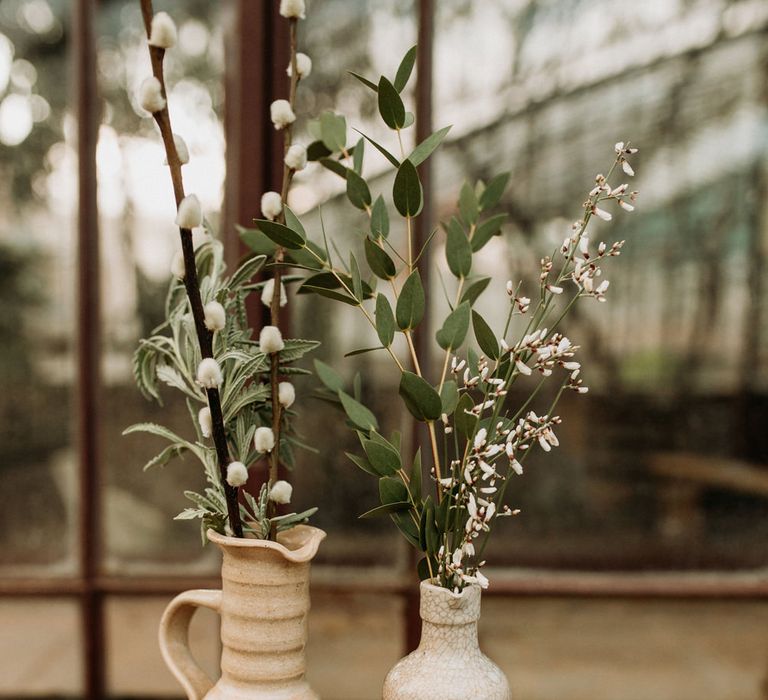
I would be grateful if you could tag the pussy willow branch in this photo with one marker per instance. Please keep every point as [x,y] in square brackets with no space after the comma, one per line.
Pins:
[274,308]
[204,336]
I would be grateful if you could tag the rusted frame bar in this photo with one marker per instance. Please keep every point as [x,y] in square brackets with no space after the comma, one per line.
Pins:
[88,346]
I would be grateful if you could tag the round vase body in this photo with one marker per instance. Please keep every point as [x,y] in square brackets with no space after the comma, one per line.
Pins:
[448,664]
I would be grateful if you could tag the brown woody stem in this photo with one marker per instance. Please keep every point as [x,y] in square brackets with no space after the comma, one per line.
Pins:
[204,336]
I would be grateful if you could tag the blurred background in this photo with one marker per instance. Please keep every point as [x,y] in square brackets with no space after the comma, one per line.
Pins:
[638,568]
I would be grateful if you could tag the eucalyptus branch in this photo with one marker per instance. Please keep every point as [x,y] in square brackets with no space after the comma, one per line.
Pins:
[191,283]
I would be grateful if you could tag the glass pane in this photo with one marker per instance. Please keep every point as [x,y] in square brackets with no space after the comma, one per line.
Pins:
[135,667]
[665,453]
[36,663]
[138,242]
[634,650]
[38,506]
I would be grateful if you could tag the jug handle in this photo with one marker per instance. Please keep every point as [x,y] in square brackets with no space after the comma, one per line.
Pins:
[174,639]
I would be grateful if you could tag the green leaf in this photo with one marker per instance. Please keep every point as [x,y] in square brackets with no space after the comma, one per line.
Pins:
[455,328]
[391,105]
[405,69]
[334,166]
[362,351]
[493,191]
[422,568]
[357,413]
[378,260]
[307,288]
[427,146]
[475,289]
[357,156]
[441,514]
[329,281]
[406,525]
[449,396]
[363,463]
[155,429]
[468,206]
[357,190]
[281,234]
[317,150]
[386,508]
[463,421]
[333,130]
[381,150]
[415,485]
[364,81]
[485,336]
[458,251]
[410,304]
[383,458]
[392,490]
[379,218]
[357,282]
[487,230]
[406,191]
[385,321]
[256,241]
[293,223]
[328,376]
[410,118]
[420,397]
[431,536]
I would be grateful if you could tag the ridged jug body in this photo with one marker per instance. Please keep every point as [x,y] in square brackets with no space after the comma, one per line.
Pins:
[263,603]
[448,663]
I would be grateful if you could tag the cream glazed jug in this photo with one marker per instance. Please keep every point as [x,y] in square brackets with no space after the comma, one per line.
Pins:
[448,664]
[263,604]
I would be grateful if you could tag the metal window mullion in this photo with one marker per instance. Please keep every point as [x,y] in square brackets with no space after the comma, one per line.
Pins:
[88,347]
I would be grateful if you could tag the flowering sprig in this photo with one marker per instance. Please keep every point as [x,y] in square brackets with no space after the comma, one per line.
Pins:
[210,355]
[484,442]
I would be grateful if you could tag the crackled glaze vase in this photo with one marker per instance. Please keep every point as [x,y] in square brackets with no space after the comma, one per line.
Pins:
[263,604]
[448,664]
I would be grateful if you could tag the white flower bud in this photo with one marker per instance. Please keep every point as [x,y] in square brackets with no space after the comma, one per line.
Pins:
[303,66]
[286,394]
[209,373]
[177,265]
[237,474]
[268,291]
[204,419]
[296,157]
[281,492]
[271,340]
[264,439]
[163,32]
[181,150]
[271,205]
[190,214]
[281,113]
[215,316]
[151,95]
[293,9]
[522,367]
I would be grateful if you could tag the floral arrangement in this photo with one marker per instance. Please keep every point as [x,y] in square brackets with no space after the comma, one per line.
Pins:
[235,387]
[478,442]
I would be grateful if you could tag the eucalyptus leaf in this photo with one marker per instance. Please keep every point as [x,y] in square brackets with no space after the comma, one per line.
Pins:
[364,81]
[379,218]
[334,166]
[475,289]
[468,205]
[392,490]
[382,150]
[427,146]
[385,320]
[317,150]
[411,303]
[328,376]
[281,234]
[406,190]
[404,69]
[485,336]
[357,413]
[378,260]
[382,458]
[463,421]
[333,130]
[357,156]
[391,105]
[357,191]
[458,251]
[386,508]
[493,191]
[363,463]
[415,484]
[487,230]
[357,282]
[455,328]
[420,397]
[293,223]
